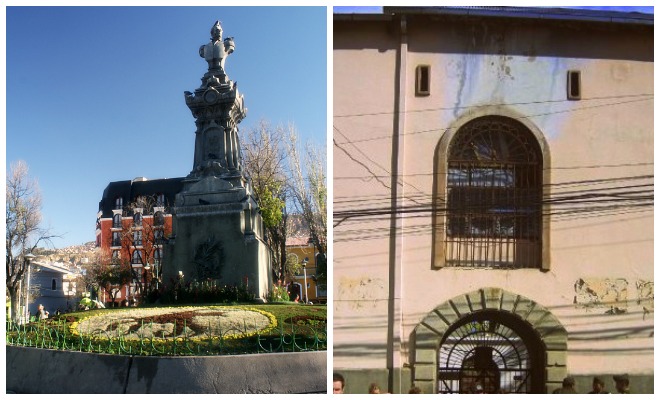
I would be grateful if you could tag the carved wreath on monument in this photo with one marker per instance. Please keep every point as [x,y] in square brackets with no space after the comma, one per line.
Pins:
[209,259]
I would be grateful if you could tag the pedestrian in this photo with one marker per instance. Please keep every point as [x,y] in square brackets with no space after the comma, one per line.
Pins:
[598,386]
[622,383]
[374,389]
[338,383]
[567,386]
[478,389]
[41,312]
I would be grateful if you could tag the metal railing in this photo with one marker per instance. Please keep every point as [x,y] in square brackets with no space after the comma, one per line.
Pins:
[58,335]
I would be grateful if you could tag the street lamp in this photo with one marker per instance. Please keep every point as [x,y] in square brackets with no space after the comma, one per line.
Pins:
[146,275]
[304,265]
[156,273]
[28,259]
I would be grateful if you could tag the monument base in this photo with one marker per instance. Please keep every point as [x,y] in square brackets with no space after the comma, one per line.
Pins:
[218,235]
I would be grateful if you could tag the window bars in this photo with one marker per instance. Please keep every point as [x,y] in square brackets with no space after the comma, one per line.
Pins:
[494,192]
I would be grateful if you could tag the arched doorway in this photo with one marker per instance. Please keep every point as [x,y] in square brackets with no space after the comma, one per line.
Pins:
[490,338]
[295,289]
[491,352]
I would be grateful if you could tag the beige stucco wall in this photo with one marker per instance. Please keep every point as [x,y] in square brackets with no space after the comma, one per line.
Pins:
[480,70]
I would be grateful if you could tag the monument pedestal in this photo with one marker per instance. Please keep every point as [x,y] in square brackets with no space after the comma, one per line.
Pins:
[218,235]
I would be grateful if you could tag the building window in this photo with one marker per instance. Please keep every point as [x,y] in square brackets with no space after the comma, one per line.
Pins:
[119,203]
[423,80]
[158,255]
[116,256]
[116,239]
[159,236]
[494,194]
[53,284]
[159,219]
[137,219]
[137,257]
[116,221]
[574,85]
[137,238]
[160,200]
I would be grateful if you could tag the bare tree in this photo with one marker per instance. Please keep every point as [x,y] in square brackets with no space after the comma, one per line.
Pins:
[142,238]
[308,189]
[23,228]
[264,156]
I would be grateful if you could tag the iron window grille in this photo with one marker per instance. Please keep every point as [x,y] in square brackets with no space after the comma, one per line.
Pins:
[494,192]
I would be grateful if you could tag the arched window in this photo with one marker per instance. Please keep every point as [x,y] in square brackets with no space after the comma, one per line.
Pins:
[116,221]
[159,219]
[119,203]
[160,200]
[494,193]
[137,257]
[137,219]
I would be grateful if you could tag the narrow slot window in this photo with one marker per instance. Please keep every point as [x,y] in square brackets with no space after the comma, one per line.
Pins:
[574,85]
[423,84]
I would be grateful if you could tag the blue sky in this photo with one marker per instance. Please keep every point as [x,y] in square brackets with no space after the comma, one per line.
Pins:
[95,94]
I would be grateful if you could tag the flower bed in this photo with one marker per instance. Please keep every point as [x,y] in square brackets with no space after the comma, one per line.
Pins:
[177,322]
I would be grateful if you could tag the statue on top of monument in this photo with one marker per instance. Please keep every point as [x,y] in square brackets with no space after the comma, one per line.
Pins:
[215,53]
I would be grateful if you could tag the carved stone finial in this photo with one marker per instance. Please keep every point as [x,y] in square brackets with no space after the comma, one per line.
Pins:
[215,53]
[216,31]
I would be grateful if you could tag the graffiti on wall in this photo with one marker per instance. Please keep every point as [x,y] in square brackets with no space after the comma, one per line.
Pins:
[361,292]
[645,297]
[612,295]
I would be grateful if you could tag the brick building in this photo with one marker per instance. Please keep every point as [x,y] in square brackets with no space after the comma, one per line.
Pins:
[133,222]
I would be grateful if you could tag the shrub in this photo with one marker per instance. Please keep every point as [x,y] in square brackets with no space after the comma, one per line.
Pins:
[209,291]
[278,294]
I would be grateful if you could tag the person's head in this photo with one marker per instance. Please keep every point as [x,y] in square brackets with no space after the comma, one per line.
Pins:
[374,389]
[621,382]
[479,389]
[598,385]
[568,382]
[415,390]
[41,307]
[337,383]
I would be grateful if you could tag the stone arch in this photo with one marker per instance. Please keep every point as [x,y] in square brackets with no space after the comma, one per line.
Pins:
[428,335]
[440,172]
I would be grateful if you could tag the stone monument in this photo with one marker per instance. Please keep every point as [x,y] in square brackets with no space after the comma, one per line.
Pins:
[217,227]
